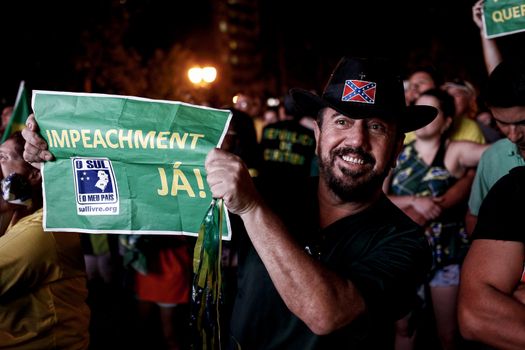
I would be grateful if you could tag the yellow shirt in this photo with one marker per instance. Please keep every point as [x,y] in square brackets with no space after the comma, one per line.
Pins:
[464,129]
[42,288]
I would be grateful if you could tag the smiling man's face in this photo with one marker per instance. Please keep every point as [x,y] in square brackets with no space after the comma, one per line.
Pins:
[355,155]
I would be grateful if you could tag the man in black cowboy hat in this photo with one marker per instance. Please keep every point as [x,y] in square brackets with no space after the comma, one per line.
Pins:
[334,264]
[331,263]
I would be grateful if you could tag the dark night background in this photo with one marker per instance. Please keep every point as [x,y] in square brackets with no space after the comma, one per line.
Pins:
[124,46]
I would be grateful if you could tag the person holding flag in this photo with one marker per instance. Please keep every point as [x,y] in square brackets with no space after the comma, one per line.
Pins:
[330,261]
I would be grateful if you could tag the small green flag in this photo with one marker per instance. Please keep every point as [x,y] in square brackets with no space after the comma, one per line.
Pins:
[21,111]
[207,285]
[503,17]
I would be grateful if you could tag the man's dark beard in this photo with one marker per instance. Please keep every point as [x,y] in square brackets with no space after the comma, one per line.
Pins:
[362,185]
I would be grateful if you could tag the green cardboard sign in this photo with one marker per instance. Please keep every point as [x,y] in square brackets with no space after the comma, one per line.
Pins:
[126,164]
[503,17]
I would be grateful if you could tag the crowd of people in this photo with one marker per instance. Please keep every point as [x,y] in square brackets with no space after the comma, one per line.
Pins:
[382,213]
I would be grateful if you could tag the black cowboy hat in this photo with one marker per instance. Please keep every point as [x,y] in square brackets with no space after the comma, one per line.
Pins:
[364,88]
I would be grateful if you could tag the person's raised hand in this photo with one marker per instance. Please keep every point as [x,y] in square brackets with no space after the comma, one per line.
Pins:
[229,179]
[477,13]
[35,149]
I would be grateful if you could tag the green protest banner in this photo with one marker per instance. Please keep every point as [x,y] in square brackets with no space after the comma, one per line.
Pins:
[503,17]
[126,164]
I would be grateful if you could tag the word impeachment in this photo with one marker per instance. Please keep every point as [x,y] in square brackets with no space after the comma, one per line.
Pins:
[116,138]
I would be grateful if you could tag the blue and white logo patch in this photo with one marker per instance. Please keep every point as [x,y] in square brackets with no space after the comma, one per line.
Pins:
[95,186]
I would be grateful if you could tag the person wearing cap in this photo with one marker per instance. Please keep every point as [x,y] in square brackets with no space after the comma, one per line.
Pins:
[465,100]
[464,94]
[327,262]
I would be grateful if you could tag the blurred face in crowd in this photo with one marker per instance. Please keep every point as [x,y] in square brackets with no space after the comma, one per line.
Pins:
[418,83]
[270,116]
[247,104]
[511,122]
[11,160]
[6,115]
[463,100]
[485,118]
[243,103]
[439,125]
[355,154]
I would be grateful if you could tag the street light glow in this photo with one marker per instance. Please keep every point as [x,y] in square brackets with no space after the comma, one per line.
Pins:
[199,76]
[195,75]
[209,74]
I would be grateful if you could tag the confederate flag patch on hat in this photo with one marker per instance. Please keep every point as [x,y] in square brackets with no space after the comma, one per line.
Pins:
[359,91]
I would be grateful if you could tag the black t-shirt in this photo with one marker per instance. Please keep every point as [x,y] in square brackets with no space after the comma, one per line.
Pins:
[287,149]
[380,250]
[502,211]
